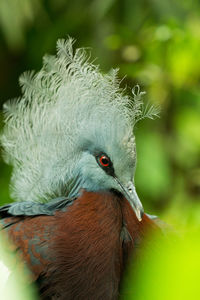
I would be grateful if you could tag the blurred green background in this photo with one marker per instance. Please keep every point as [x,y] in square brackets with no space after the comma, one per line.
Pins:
[156,44]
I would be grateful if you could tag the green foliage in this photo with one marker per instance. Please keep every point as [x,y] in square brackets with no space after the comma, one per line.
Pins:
[15,16]
[171,271]
[153,165]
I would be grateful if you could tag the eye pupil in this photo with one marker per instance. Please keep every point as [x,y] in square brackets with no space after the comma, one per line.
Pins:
[104,161]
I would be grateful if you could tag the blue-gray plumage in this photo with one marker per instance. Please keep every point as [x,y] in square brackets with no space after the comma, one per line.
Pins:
[30,208]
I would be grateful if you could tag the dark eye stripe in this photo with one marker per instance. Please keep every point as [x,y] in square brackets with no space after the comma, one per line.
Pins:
[105,163]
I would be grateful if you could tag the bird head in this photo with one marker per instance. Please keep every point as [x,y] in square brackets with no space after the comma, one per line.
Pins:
[108,160]
[72,129]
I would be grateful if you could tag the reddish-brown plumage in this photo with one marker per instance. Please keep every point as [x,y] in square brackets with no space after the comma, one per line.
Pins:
[81,253]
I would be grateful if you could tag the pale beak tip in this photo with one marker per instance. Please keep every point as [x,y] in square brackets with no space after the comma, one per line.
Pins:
[139,214]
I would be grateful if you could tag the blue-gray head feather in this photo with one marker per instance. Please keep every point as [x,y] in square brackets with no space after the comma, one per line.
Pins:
[69,113]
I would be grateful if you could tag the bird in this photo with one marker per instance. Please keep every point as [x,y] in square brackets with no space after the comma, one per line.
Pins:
[76,219]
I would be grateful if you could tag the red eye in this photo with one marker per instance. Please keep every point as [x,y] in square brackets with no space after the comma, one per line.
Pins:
[104,161]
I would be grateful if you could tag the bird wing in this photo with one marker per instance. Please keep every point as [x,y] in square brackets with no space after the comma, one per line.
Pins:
[29,238]
[30,208]
[29,227]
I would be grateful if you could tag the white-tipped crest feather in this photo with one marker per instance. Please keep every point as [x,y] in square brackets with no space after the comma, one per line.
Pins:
[60,104]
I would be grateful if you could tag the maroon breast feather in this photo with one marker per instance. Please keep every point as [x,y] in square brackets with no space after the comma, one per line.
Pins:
[80,253]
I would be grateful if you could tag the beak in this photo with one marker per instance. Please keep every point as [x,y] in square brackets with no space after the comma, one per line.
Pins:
[130,194]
